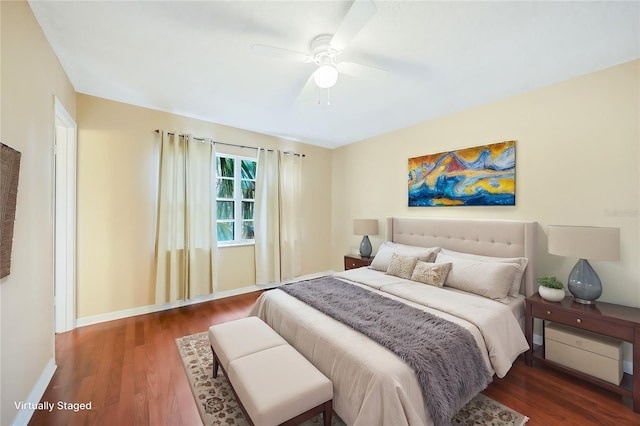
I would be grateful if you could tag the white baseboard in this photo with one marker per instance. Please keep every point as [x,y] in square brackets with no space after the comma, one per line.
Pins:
[627,366]
[126,313]
[310,276]
[537,339]
[29,404]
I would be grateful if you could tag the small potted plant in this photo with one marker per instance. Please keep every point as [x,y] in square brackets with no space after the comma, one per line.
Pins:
[551,289]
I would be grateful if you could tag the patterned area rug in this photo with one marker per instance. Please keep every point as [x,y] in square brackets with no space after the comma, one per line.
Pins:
[217,404]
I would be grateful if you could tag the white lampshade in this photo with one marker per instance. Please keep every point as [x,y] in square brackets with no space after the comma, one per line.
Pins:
[584,242]
[326,76]
[365,227]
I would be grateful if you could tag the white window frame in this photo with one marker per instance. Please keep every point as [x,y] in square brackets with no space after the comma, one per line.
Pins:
[237,201]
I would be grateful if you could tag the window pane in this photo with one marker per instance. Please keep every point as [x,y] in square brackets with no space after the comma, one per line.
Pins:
[225,209]
[247,230]
[225,231]
[248,189]
[248,169]
[247,209]
[225,188]
[224,166]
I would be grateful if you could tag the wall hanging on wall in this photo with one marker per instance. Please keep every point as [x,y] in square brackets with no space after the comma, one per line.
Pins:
[9,172]
[479,176]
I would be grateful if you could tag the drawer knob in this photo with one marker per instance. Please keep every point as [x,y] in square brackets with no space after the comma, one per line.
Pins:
[578,320]
[548,312]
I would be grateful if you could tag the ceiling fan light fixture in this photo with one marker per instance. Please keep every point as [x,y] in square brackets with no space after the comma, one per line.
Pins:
[326,76]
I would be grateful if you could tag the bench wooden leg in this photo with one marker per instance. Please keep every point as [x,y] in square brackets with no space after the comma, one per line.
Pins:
[215,363]
[327,413]
[326,409]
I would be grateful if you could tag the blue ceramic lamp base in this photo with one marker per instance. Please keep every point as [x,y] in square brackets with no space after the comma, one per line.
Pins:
[584,283]
[365,247]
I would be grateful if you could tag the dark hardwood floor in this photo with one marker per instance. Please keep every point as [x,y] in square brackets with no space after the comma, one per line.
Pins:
[132,374]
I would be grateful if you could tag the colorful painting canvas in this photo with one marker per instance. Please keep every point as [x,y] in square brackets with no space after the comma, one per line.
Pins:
[479,176]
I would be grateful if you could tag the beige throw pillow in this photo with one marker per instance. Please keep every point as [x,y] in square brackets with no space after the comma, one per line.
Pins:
[431,273]
[401,266]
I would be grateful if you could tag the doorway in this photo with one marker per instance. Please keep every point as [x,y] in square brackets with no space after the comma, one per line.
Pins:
[64,220]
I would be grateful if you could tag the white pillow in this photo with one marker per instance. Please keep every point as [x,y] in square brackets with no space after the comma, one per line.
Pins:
[489,279]
[431,273]
[401,266]
[383,257]
[521,263]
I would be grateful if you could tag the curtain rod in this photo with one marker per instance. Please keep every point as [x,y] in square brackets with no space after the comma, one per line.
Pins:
[232,144]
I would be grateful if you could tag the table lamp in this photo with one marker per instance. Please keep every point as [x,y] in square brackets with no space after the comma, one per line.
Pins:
[365,227]
[584,242]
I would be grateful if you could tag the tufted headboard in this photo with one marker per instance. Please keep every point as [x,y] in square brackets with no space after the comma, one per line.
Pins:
[499,238]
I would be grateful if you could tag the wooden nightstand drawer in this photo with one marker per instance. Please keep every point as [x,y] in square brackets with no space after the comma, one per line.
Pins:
[597,325]
[354,261]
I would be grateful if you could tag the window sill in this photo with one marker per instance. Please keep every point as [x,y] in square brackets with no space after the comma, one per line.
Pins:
[236,244]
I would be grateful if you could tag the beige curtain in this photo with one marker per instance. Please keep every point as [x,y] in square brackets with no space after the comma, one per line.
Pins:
[267,217]
[290,215]
[186,241]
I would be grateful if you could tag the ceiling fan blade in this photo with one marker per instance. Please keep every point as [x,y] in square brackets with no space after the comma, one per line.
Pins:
[356,18]
[279,53]
[362,71]
[309,91]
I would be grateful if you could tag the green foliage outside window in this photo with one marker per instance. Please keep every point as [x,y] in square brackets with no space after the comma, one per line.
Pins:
[225,188]
[225,231]
[248,169]
[248,189]
[225,166]
[225,210]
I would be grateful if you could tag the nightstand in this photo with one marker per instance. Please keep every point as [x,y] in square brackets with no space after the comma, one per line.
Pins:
[352,261]
[620,322]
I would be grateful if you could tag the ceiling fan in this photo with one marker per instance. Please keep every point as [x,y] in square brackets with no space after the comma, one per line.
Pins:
[326,48]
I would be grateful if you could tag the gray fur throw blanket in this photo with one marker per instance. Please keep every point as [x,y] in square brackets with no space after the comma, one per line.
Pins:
[445,357]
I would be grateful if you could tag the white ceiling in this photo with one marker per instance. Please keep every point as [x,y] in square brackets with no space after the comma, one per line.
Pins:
[195,59]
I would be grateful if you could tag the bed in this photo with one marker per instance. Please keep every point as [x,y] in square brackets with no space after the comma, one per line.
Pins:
[373,385]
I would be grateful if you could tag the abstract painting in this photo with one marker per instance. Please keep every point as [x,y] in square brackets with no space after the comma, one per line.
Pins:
[479,176]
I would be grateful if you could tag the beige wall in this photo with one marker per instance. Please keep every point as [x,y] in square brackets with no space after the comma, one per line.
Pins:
[577,164]
[118,156]
[31,77]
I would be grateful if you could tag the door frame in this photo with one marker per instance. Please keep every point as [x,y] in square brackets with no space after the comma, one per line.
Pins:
[64,224]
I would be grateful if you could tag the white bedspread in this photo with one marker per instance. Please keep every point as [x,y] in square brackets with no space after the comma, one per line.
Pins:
[372,386]
[501,331]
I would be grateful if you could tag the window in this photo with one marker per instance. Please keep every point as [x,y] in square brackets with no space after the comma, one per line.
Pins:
[236,191]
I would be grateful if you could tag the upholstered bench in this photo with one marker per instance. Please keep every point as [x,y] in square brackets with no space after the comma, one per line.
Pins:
[235,339]
[274,383]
